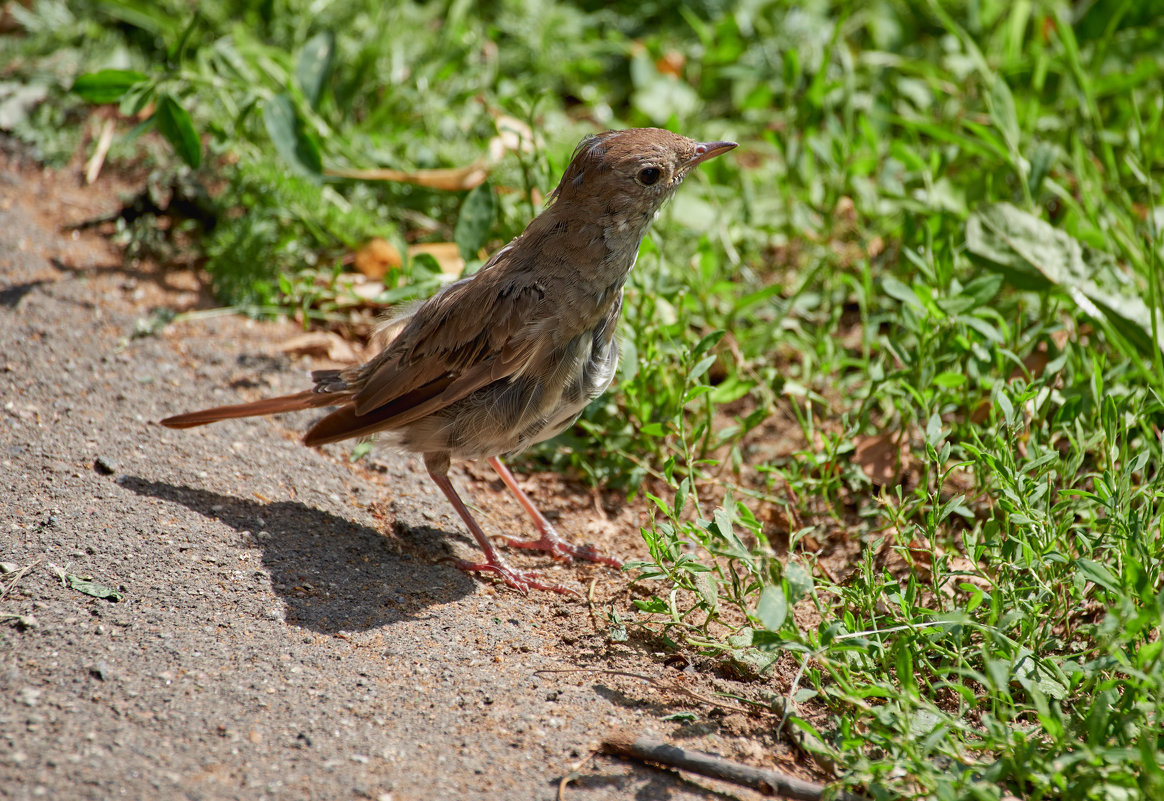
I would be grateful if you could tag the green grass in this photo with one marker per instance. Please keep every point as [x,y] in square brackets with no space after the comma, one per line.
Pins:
[942,225]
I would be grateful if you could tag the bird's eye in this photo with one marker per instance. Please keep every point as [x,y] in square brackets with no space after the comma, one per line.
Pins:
[648,176]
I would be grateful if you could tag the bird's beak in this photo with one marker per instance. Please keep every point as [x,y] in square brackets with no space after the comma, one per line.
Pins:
[709,150]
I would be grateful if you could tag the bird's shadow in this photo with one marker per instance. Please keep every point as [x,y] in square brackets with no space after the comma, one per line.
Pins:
[333,574]
[10,296]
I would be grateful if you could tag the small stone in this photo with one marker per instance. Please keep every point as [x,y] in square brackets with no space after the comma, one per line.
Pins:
[105,466]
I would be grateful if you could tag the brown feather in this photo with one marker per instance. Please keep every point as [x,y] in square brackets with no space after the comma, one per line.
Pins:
[346,422]
[309,399]
[471,323]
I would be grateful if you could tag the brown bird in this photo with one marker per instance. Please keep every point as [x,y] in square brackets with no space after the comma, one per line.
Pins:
[511,355]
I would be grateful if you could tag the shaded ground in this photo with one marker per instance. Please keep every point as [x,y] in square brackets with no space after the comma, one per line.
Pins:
[290,625]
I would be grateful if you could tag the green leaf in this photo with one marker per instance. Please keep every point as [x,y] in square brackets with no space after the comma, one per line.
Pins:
[90,587]
[1035,675]
[361,450]
[698,370]
[475,221]
[894,288]
[106,86]
[1094,571]
[681,493]
[292,140]
[1003,113]
[1032,254]
[654,606]
[949,380]
[983,288]
[708,342]
[175,125]
[727,531]
[1007,409]
[708,590]
[178,50]
[799,581]
[315,65]
[772,608]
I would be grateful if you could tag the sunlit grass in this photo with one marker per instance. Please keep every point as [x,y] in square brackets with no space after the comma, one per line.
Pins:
[856,389]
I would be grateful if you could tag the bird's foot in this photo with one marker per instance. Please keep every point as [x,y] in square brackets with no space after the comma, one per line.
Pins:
[552,543]
[521,580]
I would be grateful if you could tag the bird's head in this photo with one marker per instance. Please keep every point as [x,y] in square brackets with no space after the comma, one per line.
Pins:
[630,173]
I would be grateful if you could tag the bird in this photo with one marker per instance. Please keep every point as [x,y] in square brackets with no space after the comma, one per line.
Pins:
[511,355]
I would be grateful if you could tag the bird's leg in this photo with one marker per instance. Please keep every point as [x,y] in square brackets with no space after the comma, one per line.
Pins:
[550,541]
[520,580]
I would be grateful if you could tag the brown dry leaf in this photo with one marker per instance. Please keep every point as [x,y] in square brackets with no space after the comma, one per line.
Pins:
[922,558]
[1035,363]
[377,257]
[671,63]
[846,211]
[447,255]
[324,344]
[513,136]
[882,458]
[451,179]
[981,412]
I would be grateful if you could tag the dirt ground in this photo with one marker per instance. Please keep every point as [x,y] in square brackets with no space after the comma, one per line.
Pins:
[290,625]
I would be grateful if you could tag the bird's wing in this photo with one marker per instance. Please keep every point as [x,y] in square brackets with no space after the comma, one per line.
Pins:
[468,335]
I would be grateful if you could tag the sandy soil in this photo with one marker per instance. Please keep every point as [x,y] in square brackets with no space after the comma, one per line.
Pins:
[290,625]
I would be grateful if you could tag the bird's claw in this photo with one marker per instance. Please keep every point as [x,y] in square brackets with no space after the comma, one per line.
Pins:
[564,551]
[521,580]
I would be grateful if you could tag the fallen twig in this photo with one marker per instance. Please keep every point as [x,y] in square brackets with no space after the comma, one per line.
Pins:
[764,781]
[807,743]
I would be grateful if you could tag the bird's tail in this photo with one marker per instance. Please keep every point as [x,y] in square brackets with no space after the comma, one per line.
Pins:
[309,399]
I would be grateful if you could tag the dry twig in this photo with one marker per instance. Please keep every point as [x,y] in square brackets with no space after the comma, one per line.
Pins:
[764,781]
